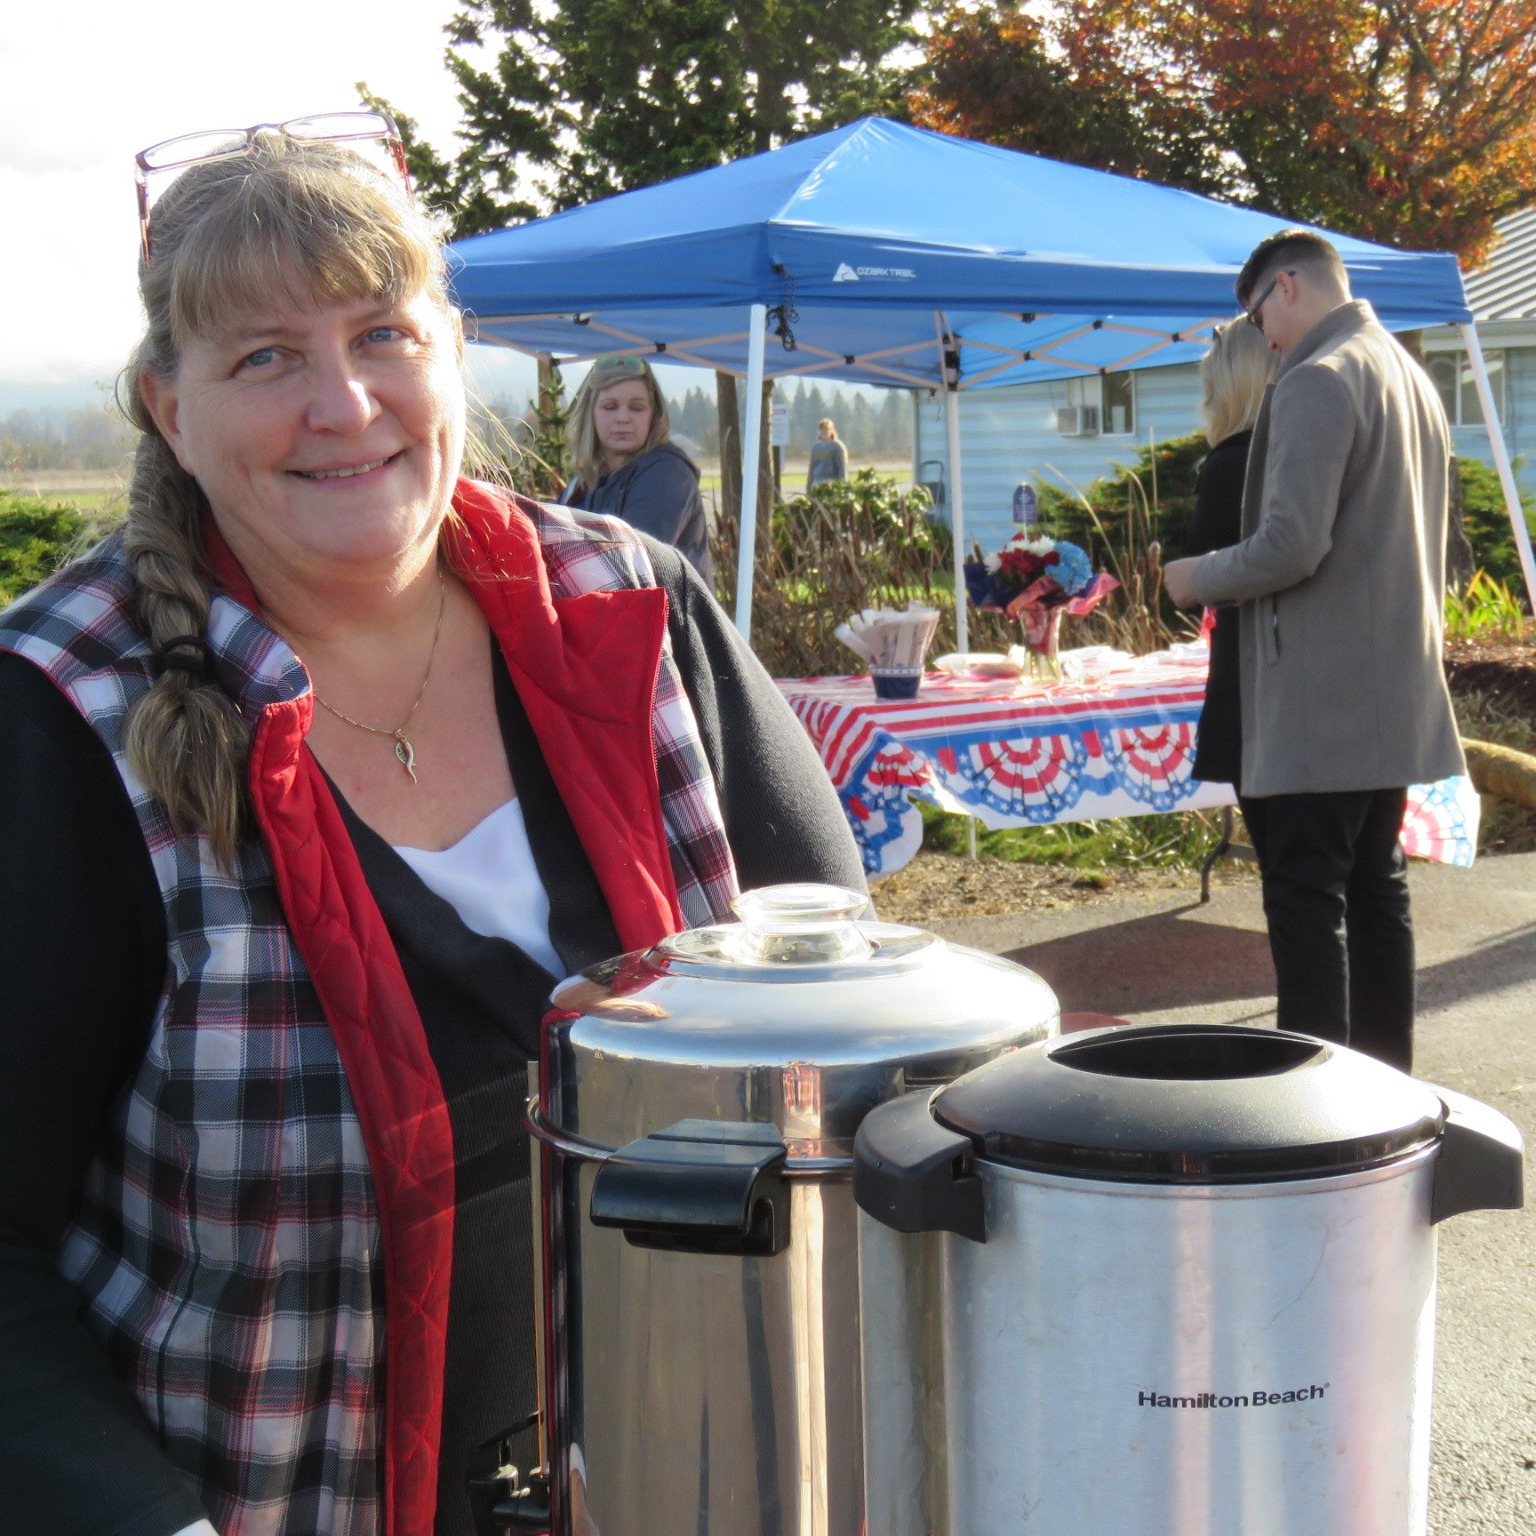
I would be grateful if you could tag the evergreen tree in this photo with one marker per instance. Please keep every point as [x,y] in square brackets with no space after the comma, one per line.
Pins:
[810,407]
[861,426]
[584,98]
[895,425]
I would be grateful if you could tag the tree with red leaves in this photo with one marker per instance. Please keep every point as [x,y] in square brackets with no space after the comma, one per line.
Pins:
[1411,122]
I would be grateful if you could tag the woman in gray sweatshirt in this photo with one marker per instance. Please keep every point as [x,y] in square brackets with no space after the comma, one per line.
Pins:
[828,459]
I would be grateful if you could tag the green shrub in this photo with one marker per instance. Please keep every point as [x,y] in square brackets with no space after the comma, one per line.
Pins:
[864,542]
[1159,486]
[36,538]
[872,509]
[1487,523]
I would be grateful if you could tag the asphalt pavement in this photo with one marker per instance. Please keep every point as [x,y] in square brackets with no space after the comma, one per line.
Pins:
[1167,959]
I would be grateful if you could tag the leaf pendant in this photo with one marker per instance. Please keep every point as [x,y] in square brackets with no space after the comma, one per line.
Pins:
[407,755]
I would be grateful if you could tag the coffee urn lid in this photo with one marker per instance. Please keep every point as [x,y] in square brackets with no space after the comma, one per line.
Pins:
[1190,1104]
[800,1014]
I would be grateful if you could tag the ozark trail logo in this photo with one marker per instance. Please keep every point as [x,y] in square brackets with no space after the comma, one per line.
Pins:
[847,274]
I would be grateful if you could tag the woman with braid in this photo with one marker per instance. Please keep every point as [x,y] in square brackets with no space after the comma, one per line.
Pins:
[315,776]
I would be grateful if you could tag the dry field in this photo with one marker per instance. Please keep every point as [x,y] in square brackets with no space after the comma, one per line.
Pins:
[91,490]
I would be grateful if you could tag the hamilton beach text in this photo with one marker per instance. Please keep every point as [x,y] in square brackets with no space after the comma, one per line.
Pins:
[1238,1400]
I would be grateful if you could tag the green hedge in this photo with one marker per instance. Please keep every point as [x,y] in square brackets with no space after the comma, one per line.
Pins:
[1487,523]
[863,542]
[36,538]
[1156,494]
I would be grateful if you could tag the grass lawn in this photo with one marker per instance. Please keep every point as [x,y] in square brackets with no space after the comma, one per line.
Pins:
[1181,840]
[792,475]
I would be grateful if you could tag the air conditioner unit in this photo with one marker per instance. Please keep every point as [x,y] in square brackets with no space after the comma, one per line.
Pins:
[1078,420]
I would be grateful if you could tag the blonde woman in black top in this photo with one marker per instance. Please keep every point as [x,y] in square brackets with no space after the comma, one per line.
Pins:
[1233,375]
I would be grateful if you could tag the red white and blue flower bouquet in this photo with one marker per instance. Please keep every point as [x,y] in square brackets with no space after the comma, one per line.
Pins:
[1036,581]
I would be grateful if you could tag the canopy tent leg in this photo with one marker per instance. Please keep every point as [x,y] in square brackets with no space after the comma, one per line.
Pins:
[957,516]
[751,453]
[1501,462]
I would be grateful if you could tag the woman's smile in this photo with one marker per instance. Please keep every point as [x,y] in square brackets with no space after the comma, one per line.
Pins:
[347,472]
[326,435]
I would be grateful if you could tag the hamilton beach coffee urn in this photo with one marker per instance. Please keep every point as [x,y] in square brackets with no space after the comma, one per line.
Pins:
[696,1111]
[1161,1281]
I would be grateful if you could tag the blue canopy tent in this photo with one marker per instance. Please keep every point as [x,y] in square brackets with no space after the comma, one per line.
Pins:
[885,254]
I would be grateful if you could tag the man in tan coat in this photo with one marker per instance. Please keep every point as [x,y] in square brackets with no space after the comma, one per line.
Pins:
[1340,581]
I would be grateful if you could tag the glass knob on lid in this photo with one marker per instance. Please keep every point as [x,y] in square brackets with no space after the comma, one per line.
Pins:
[799,925]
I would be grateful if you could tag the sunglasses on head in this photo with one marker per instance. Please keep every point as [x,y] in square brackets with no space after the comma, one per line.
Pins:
[627,365]
[172,155]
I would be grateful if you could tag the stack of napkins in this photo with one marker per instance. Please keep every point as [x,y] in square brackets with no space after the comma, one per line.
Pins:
[891,637]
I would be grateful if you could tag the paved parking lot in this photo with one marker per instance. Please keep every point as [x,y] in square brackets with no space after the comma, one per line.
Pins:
[1168,959]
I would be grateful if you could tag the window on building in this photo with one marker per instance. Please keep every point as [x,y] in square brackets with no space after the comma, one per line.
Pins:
[1119,403]
[1112,396]
[1452,375]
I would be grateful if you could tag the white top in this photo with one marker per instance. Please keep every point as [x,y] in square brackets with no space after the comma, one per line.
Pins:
[489,878]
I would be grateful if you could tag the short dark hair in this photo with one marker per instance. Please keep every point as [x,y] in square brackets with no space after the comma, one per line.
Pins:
[1301,248]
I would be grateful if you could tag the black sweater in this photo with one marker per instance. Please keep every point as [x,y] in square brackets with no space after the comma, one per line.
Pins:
[1217,523]
[82,951]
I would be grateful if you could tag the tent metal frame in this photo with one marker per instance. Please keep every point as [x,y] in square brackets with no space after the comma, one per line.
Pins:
[948,344]
[1500,449]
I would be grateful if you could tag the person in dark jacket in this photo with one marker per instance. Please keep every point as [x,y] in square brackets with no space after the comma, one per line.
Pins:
[1233,377]
[624,464]
[315,777]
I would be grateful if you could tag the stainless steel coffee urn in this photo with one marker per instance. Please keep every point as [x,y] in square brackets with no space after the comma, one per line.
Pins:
[1158,1280]
[697,1106]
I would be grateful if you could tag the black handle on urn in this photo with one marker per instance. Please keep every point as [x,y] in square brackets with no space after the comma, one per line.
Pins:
[915,1175]
[1481,1166]
[700,1186]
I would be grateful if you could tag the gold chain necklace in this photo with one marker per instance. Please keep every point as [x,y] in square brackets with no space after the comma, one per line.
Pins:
[404,751]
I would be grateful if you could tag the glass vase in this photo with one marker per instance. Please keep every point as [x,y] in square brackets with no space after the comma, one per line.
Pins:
[1042,641]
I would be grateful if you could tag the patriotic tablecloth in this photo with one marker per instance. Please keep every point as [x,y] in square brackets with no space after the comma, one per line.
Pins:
[1118,741]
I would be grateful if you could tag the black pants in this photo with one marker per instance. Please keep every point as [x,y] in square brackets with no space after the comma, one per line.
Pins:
[1336,899]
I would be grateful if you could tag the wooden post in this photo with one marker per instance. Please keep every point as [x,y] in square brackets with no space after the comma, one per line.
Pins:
[728,430]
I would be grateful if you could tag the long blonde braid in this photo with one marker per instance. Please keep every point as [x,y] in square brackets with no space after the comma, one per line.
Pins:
[185,737]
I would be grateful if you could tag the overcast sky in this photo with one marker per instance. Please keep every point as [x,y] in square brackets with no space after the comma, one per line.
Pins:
[85,84]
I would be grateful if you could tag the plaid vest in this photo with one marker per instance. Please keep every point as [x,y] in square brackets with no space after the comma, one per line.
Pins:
[270,1216]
